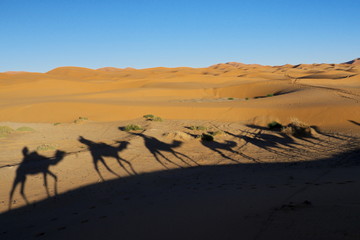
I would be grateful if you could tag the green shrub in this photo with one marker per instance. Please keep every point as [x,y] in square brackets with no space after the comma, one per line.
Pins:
[57,123]
[246,98]
[5,130]
[148,116]
[274,125]
[230,98]
[270,95]
[25,129]
[151,117]
[216,133]
[45,147]
[199,128]
[80,119]
[297,129]
[132,127]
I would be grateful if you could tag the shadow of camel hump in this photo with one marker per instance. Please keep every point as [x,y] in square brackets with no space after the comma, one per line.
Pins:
[34,163]
[100,150]
[157,147]
[227,146]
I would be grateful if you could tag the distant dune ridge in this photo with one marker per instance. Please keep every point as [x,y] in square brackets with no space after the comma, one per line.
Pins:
[356,61]
[316,93]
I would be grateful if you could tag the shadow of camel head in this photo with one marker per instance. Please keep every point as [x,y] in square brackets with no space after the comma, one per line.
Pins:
[84,140]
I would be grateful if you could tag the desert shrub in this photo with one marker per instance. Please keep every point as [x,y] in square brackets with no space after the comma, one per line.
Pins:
[148,116]
[157,119]
[151,117]
[199,128]
[80,119]
[5,130]
[57,123]
[274,125]
[230,98]
[216,133]
[270,95]
[132,127]
[246,98]
[207,137]
[297,129]
[25,129]
[45,147]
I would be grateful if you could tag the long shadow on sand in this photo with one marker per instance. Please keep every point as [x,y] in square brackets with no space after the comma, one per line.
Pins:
[226,147]
[354,122]
[157,148]
[205,202]
[99,150]
[33,163]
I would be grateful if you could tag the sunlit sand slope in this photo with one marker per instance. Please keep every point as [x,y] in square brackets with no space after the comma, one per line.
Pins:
[321,94]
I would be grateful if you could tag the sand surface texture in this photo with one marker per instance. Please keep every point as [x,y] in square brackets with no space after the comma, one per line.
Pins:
[211,169]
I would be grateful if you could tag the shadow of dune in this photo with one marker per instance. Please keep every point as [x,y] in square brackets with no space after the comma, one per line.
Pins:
[205,202]
[33,163]
[100,150]
[157,149]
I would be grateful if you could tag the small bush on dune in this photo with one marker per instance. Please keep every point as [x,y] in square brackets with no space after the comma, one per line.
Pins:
[5,130]
[270,95]
[148,116]
[297,129]
[216,133]
[199,128]
[45,147]
[81,120]
[25,129]
[131,127]
[151,117]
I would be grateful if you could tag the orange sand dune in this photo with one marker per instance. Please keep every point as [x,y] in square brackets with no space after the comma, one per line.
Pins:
[210,170]
[321,94]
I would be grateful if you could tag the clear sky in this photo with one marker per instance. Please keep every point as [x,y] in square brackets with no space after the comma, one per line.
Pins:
[38,35]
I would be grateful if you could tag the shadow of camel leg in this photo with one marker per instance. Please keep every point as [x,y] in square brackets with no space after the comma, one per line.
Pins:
[159,161]
[108,168]
[97,170]
[22,192]
[120,160]
[183,155]
[46,184]
[167,159]
[55,181]
[16,182]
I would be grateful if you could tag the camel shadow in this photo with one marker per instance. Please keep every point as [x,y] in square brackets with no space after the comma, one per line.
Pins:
[32,164]
[157,147]
[100,150]
[226,146]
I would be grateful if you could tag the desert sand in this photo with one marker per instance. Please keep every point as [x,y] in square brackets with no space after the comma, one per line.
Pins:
[68,168]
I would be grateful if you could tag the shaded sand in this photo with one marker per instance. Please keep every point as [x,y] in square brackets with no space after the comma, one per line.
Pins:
[164,182]
[250,182]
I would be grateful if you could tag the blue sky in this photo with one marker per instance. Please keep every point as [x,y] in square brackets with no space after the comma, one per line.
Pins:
[38,35]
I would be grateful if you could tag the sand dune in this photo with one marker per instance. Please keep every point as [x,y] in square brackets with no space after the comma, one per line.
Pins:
[211,169]
[110,94]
